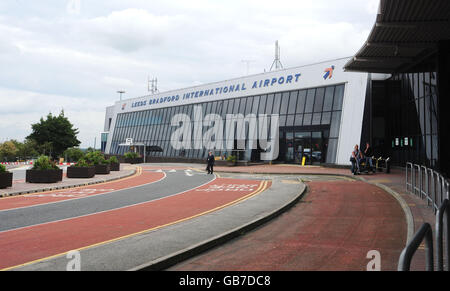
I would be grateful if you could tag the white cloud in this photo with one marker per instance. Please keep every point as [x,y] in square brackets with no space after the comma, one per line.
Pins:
[51,59]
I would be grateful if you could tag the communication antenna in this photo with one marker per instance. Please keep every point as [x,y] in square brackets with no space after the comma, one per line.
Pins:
[152,85]
[277,62]
[247,62]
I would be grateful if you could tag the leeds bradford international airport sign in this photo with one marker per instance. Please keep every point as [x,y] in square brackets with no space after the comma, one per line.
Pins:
[233,88]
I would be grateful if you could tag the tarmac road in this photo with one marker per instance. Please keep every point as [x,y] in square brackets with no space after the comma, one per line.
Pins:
[174,182]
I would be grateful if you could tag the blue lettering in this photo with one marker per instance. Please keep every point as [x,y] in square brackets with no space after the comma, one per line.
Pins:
[297,76]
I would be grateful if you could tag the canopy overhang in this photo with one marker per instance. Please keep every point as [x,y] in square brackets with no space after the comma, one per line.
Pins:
[405,33]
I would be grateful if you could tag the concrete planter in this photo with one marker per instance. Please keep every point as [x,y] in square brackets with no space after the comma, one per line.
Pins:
[43,176]
[102,169]
[134,160]
[231,164]
[80,172]
[6,180]
[114,166]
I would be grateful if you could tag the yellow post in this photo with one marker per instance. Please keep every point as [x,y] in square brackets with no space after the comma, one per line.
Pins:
[303,161]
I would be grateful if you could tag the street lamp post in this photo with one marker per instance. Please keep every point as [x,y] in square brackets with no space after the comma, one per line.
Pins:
[121,92]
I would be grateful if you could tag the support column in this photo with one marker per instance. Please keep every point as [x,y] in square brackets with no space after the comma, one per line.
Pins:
[444,107]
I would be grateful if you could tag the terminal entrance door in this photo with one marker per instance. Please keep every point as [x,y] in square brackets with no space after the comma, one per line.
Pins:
[309,145]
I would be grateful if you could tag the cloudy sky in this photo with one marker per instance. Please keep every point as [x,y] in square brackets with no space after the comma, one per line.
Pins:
[75,54]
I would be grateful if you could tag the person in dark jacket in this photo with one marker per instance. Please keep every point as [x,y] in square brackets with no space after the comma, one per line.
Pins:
[368,154]
[210,163]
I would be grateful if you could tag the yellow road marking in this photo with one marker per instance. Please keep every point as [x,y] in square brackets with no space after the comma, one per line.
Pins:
[262,187]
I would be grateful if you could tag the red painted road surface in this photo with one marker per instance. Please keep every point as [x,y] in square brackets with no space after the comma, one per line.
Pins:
[141,178]
[333,228]
[27,244]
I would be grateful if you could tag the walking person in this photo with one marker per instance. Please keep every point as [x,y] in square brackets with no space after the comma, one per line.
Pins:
[210,163]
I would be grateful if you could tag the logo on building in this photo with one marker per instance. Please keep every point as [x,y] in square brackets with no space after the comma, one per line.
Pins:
[124,105]
[328,73]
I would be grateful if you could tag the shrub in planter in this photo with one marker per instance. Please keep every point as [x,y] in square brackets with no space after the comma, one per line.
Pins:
[82,169]
[133,158]
[100,163]
[44,171]
[114,163]
[5,178]
[231,161]
[103,168]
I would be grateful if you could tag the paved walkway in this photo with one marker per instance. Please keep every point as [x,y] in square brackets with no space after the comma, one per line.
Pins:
[414,210]
[333,228]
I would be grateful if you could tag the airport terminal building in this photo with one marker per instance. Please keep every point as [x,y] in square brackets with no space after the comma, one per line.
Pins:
[393,93]
[319,106]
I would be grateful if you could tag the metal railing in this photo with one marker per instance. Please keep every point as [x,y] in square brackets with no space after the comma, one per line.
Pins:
[443,212]
[424,233]
[427,184]
[434,188]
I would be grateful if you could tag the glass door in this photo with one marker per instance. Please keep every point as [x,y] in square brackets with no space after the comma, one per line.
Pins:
[289,157]
[316,147]
[302,146]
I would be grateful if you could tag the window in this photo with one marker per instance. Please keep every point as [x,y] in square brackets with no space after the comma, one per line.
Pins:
[292,102]
[276,104]
[269,104]
[301,100]
[328,101]
[284,103]
[318,104]
[310,100]
[262,104]
[338,97]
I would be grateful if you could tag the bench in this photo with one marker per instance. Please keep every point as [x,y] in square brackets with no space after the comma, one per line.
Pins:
[383,165]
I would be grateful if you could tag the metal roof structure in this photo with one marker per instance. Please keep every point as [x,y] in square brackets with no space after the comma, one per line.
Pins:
[405,32]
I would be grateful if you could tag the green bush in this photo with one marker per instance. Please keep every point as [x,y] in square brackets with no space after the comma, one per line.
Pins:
[232,159]
[44,163]
[95,158]
[113,160]
[3,169]
[82,163]
[132,155]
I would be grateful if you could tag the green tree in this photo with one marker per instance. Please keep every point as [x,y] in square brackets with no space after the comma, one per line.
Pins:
[73,154]
[54,134]
[8,151]
[27,149]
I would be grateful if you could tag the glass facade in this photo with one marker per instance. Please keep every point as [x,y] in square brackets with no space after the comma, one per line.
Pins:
[404,116]
[309,124]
